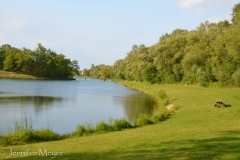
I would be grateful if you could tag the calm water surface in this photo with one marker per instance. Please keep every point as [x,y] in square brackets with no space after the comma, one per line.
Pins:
[62,105]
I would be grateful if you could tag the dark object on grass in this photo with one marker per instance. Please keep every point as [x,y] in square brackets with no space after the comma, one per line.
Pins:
[219,104]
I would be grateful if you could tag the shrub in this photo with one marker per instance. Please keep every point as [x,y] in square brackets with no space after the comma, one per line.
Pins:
[2,140]
[120,124]
[150,73]
[236,78]
[30,136]
[143,119]
[44,135]
[90,128]
[80,130]
[102,126]
[163,97]
[161,115]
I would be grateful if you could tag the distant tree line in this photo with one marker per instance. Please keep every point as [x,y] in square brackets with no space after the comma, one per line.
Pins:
[40,62]
[209,55]
[99,71]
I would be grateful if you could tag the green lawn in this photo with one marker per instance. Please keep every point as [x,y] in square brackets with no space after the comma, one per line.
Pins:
[15,75]
[4,74]
[196,131]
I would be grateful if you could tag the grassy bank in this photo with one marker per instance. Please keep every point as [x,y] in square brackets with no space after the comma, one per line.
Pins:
[15,75]
[196,131]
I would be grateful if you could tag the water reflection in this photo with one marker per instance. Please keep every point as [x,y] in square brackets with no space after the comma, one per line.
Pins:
[4,92]
[36,100]
[39,102]
[134,105]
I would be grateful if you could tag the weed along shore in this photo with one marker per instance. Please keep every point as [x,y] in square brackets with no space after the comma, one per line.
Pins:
[198,130]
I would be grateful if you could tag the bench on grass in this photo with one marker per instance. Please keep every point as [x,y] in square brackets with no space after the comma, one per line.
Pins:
[219,104]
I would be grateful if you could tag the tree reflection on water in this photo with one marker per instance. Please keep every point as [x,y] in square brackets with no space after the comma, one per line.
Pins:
[36,100]
[135,105]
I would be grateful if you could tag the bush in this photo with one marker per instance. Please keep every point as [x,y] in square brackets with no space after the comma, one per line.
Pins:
[120,124]
[90,128]
[161,115]
[150,73]
[30,136]
[163,97]
[236,78]
[80,130]
[143,119]
[102,126]
[44,135]
[2,140]
[23,133]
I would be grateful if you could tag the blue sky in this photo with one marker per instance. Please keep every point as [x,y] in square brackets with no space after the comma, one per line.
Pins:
[101,31]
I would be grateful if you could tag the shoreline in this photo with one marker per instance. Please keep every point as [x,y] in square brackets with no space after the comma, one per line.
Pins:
[160,113]
[15,75]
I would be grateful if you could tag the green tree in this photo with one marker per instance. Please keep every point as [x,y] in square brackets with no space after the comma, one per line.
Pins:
[9,63]
[75,67]
[150,73]
[236,14]
[105,72]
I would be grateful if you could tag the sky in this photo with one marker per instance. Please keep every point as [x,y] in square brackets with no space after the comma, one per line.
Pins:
[102,31]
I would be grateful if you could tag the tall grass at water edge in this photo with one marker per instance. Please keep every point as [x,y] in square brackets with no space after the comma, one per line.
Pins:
[24,133]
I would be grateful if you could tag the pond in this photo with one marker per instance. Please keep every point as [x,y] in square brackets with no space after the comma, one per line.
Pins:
[62,105]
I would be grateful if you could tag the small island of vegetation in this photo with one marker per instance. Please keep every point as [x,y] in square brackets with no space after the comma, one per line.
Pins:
[40,63]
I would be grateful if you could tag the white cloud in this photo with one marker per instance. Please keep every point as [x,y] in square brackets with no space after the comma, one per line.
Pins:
[226,2]
[217,19]
[185,4]
[15,23]
[12,22]
[201,10]
[202,6]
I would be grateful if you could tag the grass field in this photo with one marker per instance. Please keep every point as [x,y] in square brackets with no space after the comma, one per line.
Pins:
[15,75]
[196,131]
[4,74]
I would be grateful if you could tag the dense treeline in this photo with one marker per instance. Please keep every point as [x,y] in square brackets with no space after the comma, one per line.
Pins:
[209,55]
[99,71]
[40,62]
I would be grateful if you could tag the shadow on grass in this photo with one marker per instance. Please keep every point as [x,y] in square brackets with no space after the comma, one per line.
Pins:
[225,106]
[228,105]
[226,146]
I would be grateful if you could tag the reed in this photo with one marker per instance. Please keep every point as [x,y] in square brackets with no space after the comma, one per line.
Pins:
[24,133]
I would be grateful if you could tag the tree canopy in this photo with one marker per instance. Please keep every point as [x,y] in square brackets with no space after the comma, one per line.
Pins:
[40,62]
[208,55]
